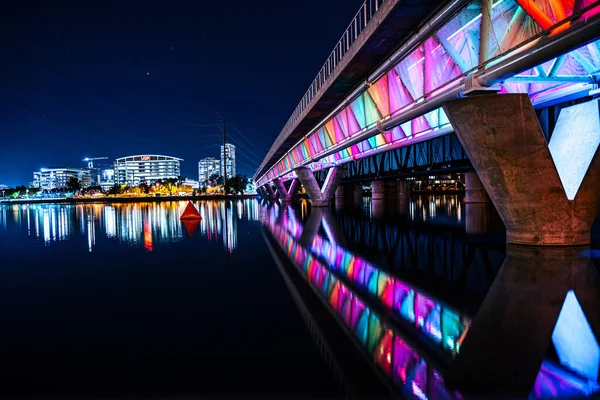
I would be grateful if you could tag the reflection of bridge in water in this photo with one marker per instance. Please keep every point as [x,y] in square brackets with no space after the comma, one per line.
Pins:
[414,341]
[434,255]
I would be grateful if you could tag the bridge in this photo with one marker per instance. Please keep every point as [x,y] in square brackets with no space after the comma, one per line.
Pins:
[504,90]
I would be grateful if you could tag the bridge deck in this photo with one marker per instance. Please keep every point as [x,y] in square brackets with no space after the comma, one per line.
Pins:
[523,49]
[394,23]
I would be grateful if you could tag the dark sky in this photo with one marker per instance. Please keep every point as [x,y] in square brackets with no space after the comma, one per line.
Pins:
[117,78]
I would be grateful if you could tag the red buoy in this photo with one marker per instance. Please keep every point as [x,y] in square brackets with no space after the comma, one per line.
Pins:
[190,225]
[190,212]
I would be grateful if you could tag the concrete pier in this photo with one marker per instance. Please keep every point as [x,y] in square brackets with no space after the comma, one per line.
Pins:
[320,197]
[505,143]
[285,195]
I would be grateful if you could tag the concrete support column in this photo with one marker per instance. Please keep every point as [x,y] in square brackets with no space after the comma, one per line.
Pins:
[378,190]
[477,205]
[475,192]
[261,192]
[320,197]
[477,218]
[392,197]
[265,192]
[505,143]
[389,197]
[270,192]
[357,195]
[403,197]
[378,193]
[285,196]
[340,196]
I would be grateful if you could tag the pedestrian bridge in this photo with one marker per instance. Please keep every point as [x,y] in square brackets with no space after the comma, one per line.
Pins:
[547,49]
[488,70]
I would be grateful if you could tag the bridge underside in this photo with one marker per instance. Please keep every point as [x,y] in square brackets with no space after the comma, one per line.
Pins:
[508,52]
[395,21]
[518,52]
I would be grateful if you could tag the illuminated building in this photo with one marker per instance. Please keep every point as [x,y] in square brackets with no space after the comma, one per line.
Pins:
[57,178]
[228,160]
[107,178]
[191,183]
[133,170]
[206,167]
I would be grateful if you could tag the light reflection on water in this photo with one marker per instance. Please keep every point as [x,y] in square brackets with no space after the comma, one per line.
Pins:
[436,207]
[144,225]
[383,312]
[443,208]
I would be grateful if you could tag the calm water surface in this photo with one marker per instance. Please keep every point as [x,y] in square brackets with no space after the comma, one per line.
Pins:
[126,300]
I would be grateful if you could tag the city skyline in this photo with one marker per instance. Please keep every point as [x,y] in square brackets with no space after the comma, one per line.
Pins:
[108,164]
[86,82]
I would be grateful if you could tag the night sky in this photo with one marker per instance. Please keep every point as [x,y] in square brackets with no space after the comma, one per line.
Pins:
[116,78]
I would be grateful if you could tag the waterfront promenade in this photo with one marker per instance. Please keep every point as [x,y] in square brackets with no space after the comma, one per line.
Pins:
[125,199]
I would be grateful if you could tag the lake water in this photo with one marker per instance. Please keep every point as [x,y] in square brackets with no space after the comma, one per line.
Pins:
[257,299]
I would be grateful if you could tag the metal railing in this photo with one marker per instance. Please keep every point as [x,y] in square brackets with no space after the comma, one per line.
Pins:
[358,24]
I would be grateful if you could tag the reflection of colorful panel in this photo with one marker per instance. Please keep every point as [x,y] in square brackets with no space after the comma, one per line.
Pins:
[335,295]
[345,304]
[423,307]
[371,274]
[405,360]
[383,353]
[325,284]
[436,385]
[418,376]
[385,289]
[433,324]
[360,320]
[452,328]
[358,276]
[375,332]
[407,306]
[359,312]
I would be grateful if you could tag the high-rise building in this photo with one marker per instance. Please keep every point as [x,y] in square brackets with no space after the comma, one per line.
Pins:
[134,170]
[107,178]
[228,160]
[206,167]
[57,178]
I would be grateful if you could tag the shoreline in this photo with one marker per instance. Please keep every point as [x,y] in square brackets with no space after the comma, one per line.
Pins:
[106,200]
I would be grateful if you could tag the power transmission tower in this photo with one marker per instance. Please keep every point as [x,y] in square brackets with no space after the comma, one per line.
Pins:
[226,202]
[224,154]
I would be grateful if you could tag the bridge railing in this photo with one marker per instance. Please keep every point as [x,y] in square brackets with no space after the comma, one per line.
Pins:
[358,24]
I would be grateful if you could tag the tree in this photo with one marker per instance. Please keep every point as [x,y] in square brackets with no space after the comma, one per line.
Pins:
[89,190]
[170,184]
[144,188]
[73,184]
[180,180]
[237,184]
[215,180]
[116,189]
